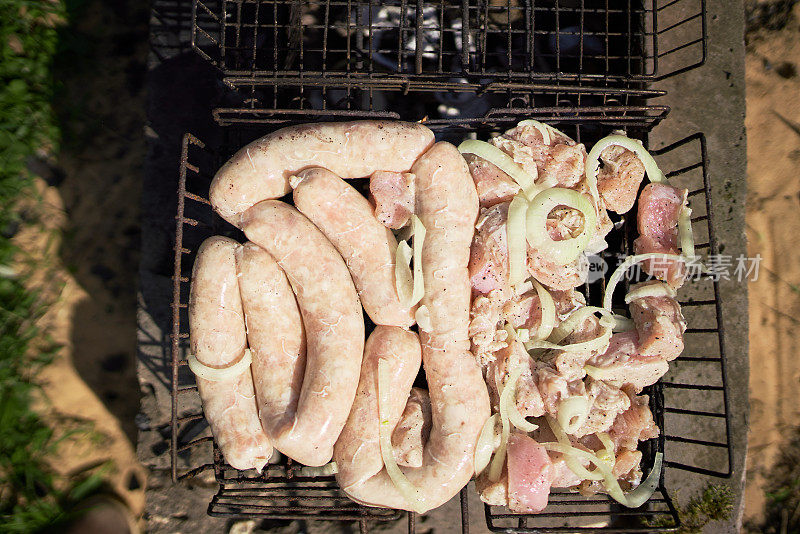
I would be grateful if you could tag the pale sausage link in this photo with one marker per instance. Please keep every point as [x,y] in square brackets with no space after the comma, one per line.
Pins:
[367,246]
[447,205]
[217,339]
[261,170]
[333,322]
[276,338]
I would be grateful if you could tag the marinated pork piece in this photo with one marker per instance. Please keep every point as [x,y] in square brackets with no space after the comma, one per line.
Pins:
[626,461]
[619,179]
[561,163]
[623,364]
[558,277]
[411,433]
[606,402]
[485,331]
[493,185]
[523,155]
[493,493]
[634,424]
[488,260]
[659,207]
[529,474]
[660,325]
[393,196]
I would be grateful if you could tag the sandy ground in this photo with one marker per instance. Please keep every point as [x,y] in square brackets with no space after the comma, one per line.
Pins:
[85,246]
[773,231]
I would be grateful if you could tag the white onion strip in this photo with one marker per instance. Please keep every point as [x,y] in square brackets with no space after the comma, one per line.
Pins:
[417,239]
[403,278]
[623,267]
[517,244]
[584,346]
[502,161]
[686,237]
[634,499]
[567,250]
[508,402]
[569,454]
[423,318]
[548,307]
[572,413]
[486,444]
[322,471]
[404,486]
[654,174]
[657,289]
[218,374]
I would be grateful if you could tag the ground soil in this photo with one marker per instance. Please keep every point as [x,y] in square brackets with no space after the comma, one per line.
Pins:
[773,231]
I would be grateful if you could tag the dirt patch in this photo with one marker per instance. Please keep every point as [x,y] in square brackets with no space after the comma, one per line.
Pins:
[773,231]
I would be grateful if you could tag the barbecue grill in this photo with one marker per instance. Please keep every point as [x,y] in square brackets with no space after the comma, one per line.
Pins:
[445,63]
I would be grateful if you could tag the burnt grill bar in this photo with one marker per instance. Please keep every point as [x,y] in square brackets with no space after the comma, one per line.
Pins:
[403,40]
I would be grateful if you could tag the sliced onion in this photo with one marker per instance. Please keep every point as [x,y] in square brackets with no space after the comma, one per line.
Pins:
[404,486]
[523,288]
[548,307]
[585,346]
[323,471]
[403,279]
[645,490]
[571,453]
[685,235]
[658,289]
[634,499]
[654,174]
[219,374]
[608,454]
[566,250]
[423,318]
[523,334]
[620,272]
[508,402]
[502,161]
[572,413]
[622,323]
[496,466]
[417,240]
[517,246]
[486,444]
[573,321]
[599,373]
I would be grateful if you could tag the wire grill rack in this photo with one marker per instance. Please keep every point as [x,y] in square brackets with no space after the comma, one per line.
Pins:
[403,41]
[690,404]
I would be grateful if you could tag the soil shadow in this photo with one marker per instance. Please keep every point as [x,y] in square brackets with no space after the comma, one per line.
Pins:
[100,71]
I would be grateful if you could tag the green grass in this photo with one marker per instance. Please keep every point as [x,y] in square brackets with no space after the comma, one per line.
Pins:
[32,498]
[714,503]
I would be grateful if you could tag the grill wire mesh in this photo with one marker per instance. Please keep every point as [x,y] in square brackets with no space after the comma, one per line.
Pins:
[469,68]
[403,40]
[690,404]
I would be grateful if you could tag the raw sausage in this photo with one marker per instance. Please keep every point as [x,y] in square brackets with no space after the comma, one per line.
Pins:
[217,339]
[447,204]
[261,170]
[333,322]
[276,338]
[358,452]
[367,246]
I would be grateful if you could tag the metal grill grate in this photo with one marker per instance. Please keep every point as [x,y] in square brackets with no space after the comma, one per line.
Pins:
[403,41]
[694,424]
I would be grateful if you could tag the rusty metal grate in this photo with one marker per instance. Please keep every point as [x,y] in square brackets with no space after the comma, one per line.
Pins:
[405,41]
[690,405]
